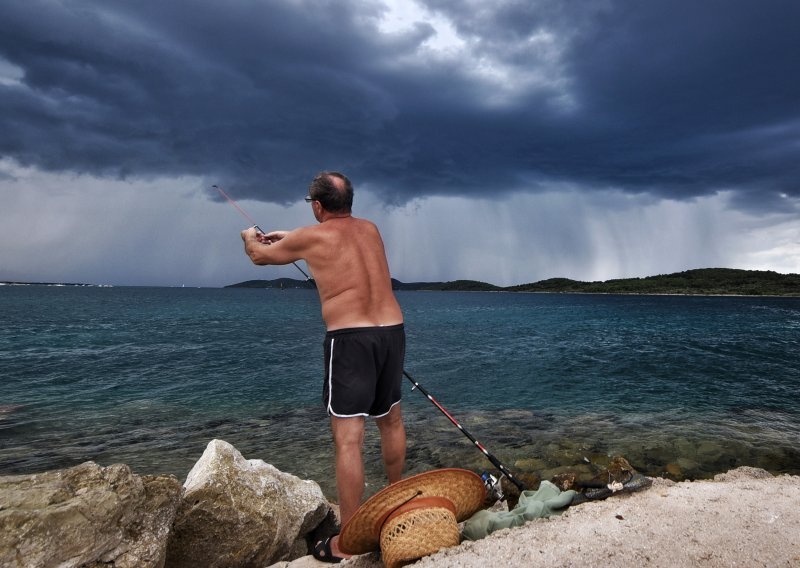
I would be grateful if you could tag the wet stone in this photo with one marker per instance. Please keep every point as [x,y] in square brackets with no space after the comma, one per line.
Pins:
[530,464]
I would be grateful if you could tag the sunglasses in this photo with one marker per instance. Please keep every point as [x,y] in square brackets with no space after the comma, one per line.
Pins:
[309,199]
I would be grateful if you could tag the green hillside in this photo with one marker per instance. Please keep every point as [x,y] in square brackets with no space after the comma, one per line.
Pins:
[703,281]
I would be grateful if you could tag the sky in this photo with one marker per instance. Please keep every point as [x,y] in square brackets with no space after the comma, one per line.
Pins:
[506,141]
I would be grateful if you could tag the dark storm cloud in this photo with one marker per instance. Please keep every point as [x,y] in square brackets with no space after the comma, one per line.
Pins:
[676,99]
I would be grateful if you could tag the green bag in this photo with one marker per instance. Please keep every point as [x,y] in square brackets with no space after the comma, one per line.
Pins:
[546,501]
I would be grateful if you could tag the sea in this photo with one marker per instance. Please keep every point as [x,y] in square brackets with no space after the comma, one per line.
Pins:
[683,387]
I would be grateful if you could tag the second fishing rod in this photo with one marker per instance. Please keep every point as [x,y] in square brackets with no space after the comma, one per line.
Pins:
[490,482]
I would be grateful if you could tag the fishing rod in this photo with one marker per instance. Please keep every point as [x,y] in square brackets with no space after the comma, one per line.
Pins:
[255,225]
[495,462]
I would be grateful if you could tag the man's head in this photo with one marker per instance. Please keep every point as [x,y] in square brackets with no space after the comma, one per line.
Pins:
[333,191]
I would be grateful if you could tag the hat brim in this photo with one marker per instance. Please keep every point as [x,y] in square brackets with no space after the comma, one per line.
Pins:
[464,488]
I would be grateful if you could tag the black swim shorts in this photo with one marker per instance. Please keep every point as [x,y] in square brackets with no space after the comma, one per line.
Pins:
[363,370]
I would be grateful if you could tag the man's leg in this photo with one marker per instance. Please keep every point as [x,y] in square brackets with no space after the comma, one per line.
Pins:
[348,436]
[393,443]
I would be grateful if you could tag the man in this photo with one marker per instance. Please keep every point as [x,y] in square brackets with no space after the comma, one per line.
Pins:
[365,340]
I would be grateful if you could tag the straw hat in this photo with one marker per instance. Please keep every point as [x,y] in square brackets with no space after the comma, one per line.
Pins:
[415,516]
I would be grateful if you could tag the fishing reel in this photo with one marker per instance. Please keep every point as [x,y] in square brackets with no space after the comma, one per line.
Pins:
[494,489]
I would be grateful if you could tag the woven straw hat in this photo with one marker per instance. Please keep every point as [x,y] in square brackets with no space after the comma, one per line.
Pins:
[418,528]
[405,524]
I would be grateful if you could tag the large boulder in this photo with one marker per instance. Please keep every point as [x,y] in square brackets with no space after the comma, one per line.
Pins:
[86,515]
[242,513]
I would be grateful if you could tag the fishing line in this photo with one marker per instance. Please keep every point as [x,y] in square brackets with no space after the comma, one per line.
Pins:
[495,462]
[255,225]
[242,211]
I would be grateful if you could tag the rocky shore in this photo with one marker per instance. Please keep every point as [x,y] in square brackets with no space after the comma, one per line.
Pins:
[229,512]
[745,517]
[234,512]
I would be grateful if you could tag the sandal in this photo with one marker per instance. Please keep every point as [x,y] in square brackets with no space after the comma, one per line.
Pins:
[322,551]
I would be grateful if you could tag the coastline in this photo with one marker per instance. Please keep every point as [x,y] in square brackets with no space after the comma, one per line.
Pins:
[745,517]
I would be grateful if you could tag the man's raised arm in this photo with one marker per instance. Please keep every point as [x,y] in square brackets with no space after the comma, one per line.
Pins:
[275,247]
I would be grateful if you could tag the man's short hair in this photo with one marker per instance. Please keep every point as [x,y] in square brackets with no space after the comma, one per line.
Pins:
[333,191]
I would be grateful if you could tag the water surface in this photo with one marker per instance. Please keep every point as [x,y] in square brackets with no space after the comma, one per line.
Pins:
[684,387]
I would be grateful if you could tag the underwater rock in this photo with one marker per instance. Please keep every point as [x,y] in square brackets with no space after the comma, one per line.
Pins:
[674,471]
[511,492]
[565,481]
[530,464]
[709,452]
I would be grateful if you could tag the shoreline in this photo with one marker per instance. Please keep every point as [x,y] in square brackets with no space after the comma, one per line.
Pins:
[744,517]
[543,445]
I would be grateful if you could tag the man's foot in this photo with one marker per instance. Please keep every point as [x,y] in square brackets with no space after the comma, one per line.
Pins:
[328,550]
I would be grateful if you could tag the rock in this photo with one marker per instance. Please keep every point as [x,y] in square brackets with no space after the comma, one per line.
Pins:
[86,515]
[685,448]
[530,464]
[618,470]
[565,481]
[304,562]
[688,466]
[743,472]
[241,513]
[674,471]
[709,452]
[581,470]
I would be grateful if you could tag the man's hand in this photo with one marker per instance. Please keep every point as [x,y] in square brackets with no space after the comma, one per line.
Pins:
[250,234]
[253,234]
[257,246]
[271,237]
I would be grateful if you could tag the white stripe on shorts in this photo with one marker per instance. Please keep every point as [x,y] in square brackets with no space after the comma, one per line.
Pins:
[330,379]
[330,390]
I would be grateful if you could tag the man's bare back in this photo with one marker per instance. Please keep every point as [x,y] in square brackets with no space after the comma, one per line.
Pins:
[347,260]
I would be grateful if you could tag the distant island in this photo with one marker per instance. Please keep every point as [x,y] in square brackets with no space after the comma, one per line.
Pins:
[702,282]
[15,283]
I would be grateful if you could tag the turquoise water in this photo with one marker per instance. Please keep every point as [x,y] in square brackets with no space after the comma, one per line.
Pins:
[684,387]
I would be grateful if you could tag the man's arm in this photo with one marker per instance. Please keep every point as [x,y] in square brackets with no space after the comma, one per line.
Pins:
[276,247]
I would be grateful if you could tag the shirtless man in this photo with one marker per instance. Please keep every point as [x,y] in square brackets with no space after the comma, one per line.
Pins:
[365,340]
